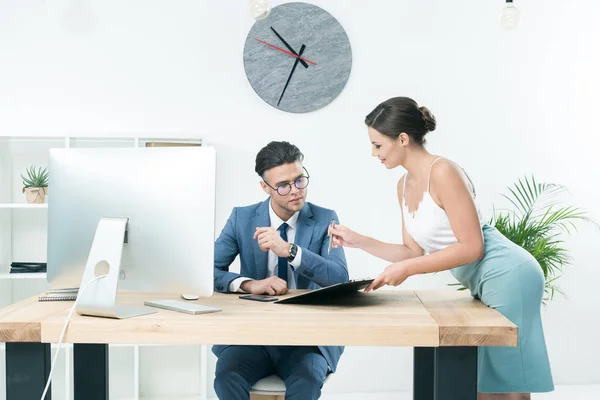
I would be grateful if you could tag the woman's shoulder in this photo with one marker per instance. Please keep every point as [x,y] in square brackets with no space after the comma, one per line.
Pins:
[447,174]
[444,168]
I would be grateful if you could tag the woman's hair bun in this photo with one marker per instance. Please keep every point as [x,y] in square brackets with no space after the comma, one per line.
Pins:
[428,118]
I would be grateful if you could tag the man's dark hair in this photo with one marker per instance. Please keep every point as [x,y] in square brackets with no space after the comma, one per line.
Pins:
[275,154]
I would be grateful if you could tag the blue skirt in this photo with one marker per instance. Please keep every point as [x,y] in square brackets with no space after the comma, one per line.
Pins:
[510,280]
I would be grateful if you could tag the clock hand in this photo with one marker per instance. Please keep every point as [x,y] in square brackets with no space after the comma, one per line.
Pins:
[291,73]
[285,51]
[287,45]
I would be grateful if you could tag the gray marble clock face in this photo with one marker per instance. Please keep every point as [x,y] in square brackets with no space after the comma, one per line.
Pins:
[326,54]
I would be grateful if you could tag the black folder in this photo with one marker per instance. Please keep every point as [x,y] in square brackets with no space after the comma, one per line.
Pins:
[328,293]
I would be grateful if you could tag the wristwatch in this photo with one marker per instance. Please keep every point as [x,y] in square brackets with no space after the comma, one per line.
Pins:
[293,252]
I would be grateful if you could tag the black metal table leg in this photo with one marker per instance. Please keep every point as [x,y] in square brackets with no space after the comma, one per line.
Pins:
[27,370]
[445,373]
[455,375]
[423,373]
[90,371]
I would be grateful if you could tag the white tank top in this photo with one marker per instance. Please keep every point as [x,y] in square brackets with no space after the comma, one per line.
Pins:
[429,225]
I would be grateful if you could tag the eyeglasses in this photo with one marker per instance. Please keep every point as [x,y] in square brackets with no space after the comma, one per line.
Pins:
[285,188]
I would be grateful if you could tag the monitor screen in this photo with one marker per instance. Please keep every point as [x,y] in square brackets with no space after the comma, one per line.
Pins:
[168,197]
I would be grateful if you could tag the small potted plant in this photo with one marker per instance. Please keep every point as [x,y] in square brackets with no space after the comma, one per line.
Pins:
[35,184]
[537,224]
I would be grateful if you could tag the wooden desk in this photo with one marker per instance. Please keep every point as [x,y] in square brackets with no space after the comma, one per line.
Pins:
[444,327]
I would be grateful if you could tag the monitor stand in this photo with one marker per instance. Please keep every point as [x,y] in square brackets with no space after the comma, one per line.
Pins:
[99,298]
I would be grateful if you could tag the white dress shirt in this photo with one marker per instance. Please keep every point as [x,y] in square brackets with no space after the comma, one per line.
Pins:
[273,259]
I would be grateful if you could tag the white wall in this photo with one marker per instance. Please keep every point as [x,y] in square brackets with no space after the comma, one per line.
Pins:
[508,104]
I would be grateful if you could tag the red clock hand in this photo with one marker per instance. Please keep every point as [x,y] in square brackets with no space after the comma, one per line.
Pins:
[285,51]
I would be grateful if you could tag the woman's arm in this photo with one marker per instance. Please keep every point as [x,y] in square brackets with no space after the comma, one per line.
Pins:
[387,251]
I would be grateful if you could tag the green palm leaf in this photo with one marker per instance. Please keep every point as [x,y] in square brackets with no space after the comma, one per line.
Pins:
[537,224]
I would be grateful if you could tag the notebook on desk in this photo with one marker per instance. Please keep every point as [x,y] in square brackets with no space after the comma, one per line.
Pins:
[322,295]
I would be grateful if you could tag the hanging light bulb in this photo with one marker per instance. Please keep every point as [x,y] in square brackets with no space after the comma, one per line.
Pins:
[259,9]
[510,15]
[78,18]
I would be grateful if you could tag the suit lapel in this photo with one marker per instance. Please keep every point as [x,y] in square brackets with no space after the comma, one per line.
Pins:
[261,260]
[305,228]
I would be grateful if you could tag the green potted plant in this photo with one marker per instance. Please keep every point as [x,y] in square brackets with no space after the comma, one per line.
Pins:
[537,223]
[35,184]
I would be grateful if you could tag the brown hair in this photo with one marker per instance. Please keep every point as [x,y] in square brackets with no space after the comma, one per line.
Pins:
[402,114]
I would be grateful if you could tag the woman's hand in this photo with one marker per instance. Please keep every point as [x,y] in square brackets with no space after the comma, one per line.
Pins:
[393,274]
[343,236]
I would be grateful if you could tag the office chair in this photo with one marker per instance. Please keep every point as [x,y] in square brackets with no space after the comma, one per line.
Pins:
[271,388]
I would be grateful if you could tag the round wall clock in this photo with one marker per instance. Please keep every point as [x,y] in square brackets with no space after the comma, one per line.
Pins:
[299,58]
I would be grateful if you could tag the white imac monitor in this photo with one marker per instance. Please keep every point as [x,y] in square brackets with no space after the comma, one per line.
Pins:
[149,213]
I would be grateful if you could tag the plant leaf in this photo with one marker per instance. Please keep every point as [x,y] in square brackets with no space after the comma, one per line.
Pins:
[537,224]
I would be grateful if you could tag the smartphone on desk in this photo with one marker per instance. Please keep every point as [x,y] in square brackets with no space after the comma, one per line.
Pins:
[259,297]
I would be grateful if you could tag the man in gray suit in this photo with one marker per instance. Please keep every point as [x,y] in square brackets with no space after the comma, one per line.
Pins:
[282,243]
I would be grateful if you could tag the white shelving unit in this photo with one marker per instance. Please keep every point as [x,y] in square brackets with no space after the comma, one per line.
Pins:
[35,275]
[21,205]
[23,237]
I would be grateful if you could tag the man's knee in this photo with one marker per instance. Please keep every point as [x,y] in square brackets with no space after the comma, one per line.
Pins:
[311,380]
[229,378]
[308,377]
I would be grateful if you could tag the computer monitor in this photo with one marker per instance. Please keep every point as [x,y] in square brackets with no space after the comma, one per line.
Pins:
[166,196]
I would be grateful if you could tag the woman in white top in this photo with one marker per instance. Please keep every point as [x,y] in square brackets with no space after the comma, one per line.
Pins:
[440,218]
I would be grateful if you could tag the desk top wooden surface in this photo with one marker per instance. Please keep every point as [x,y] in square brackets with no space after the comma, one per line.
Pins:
[382,318]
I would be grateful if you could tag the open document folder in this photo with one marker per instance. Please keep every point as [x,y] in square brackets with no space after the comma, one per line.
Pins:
[322,295]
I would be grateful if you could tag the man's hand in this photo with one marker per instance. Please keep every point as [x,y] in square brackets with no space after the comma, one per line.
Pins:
[271,286]
[269,239]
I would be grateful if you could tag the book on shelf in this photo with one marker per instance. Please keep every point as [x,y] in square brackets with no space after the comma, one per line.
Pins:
[27,267]
[171,144]
[66,290]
